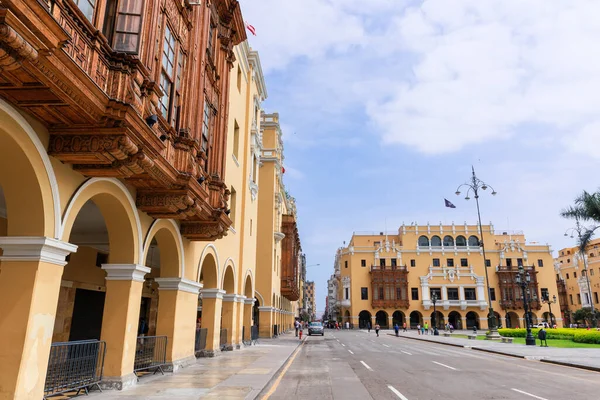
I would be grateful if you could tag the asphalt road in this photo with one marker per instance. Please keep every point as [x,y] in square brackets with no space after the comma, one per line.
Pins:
[357,365]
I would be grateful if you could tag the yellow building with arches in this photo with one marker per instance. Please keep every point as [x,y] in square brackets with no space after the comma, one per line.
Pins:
[390,278]
[80,260]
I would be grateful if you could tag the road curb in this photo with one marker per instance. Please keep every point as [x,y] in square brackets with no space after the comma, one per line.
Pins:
[502,353]
[273,378]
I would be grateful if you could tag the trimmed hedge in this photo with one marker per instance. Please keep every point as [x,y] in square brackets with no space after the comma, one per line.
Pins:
[560,333]
[587,337]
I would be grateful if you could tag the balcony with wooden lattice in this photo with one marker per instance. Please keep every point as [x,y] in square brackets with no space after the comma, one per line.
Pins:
[389,285]
[511,294]
[290,258]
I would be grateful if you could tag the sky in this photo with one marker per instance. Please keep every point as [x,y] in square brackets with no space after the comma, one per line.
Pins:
[386,104]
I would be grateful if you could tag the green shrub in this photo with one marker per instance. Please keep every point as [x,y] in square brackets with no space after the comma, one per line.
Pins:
[561,333]
[587,337]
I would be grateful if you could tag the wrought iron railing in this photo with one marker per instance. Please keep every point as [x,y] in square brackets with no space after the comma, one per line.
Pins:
[200,342]
[74,366]
[223,339]
[150,354]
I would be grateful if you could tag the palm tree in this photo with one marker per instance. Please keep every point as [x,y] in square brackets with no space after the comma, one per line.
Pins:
[586,208]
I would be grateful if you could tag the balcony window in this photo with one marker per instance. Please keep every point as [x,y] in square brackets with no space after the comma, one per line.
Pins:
[346,293]
[436,262]
[394,262]
[206,126]
[540,263]
[450,262]
[364,293]
[470,294]
[436,241]
[488,263]
[167,75]
[509,262]
[578,299]
[545,294]
[381,293]
[345,264]
[492,294]
[474,241]
[519,262]
[423,241]
[414,293]
[452,293]
[382,262]
[123,24]
[461,241]
[437,291]
[574,274]
[464,262]
[87,8]
[413,263]
[363,263]
[448,241]
[596,297]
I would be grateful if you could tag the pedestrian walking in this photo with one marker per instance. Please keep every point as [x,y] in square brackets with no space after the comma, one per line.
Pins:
[377,329]
[422,330]
[369,327]
[300,332]
[397,329]
[297,326]
[419,329]
[404,327]
[427,327]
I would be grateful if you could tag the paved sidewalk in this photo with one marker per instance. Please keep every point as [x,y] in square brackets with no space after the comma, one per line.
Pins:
[586,358]
[238,374]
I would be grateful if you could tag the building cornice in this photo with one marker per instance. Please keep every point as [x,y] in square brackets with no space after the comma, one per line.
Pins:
[182,284]
[125,272]
[30,248]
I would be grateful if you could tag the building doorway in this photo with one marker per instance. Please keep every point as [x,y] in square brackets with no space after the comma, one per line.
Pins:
[455,319]
[381,318]
[86,322]
[364,319]
[472,320]
[398,318]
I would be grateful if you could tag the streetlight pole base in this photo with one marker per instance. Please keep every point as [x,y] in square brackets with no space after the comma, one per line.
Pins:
[530,341]
[493,334]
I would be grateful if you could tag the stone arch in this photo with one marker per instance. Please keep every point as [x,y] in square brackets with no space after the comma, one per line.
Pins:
[455,319]
[209,259]
[259,297]
[512,319]
[228,282]
[436,241]
[448,241]
[472,320]
[32,196]
[170,243]
[461,241]
[416,318]
[120,215]
[364,318]
[381,318]
[398,318]
[423,241]
[249,285]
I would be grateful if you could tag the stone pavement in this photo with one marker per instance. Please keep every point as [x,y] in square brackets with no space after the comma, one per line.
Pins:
[586,358]
[238,374]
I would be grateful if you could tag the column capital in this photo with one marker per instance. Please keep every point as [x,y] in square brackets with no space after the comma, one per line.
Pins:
[241,299]
[231,297]
[125,272]
[212,293]
[34,248]
[249,302]
[266,308]
[185,285]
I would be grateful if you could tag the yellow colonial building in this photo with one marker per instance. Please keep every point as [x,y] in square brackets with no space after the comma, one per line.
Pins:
[131,211]
[580,287]
[389,278]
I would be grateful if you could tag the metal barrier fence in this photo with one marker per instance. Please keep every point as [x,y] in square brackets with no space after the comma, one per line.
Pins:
[200,343]
[254,334]
[76,365]
[150,353]
[223,339]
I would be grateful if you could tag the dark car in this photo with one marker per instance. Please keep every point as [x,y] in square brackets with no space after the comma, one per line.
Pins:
[316,328]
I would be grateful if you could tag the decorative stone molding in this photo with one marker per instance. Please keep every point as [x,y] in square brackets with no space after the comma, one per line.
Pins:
[212,293]
[232,298]
[125,272]
[185,285]
[278,236]
[267,308]
[32,248]
[241,299]
[249,302]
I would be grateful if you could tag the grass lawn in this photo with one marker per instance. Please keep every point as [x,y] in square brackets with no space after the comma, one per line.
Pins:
[559,343]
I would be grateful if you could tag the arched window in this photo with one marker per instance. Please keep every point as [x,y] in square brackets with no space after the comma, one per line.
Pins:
[424,241]
[473,241]
[436,241]
[448,241]
[461,241]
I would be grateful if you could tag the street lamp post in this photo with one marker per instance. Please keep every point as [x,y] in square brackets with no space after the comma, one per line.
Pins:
[578,228]
[473,186]
[550,302]
[523,278]
[434,299]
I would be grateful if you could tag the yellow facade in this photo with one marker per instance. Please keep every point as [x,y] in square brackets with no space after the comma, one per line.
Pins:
[447,260]
[571,270]
[80,261]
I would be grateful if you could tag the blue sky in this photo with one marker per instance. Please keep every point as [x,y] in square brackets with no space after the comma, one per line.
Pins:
[386,104]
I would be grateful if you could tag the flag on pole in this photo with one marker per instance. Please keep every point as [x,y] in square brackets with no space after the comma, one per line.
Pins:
[250,28]
[449,204]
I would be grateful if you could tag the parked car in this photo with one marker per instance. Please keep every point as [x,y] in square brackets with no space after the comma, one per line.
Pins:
[316,328]
[542,325]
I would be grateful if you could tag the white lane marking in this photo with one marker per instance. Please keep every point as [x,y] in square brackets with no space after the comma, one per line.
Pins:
[385,345]
[343,345]
[444,365]
[350,351]
[406,352]
[396,392]
[529,394]
[366,366]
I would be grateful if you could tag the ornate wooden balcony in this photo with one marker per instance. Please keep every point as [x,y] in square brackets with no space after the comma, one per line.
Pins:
[102,107]
[511,293]
[291,249]
[389,286]
[390,303]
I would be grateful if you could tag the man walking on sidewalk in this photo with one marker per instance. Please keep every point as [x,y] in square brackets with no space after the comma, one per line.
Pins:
[377,329]
[297,326]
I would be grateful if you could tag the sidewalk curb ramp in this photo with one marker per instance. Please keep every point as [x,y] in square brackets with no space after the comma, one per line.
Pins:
[503,353]
[271,381]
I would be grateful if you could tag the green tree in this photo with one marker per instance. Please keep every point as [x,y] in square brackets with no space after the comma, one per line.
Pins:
[586,208]
[584,315]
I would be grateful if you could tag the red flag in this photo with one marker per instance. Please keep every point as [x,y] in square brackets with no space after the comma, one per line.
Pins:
[250,28]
